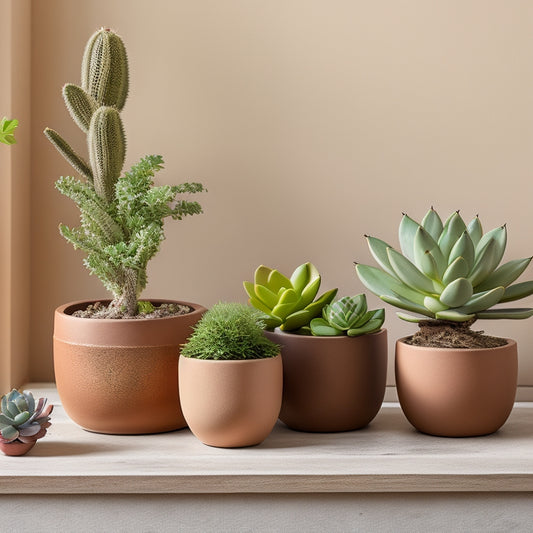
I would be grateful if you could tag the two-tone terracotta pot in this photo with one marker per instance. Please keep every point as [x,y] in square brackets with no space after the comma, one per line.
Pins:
[120,376]
[331,383]
[231,404]
[456,392]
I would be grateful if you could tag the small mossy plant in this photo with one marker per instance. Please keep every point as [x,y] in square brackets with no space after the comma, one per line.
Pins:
[447,276]
[348,316]
[122,214]
[230,331]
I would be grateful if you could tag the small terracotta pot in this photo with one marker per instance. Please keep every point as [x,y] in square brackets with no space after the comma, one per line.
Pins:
[16,447]
[456,392]
[331,383]
[120,376]
[231,404]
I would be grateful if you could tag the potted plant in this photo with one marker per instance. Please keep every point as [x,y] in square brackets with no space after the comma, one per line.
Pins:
[451,380]
[22,421]
[124,351]
[334,354]
[230,378]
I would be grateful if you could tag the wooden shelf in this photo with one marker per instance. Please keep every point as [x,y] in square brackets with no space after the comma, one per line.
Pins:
[389,456]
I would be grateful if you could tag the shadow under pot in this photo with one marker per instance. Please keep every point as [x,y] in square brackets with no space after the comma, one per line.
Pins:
[120,376]
[456,392]
[331,383]
[229,403]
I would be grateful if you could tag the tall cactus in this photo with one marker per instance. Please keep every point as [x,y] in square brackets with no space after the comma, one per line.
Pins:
[121,216]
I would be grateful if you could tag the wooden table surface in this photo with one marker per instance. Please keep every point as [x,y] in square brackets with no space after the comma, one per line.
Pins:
[387,456]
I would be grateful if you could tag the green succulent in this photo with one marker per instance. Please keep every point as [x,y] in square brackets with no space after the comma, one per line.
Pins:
[230,331]
[348,316]
[7,130]
[289,303]
[447,271]
[21,418]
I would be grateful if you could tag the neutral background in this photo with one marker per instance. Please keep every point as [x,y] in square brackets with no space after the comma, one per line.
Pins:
[310,122]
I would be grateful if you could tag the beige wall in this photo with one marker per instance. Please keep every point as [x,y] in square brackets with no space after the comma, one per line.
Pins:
[311,123]
[15,162]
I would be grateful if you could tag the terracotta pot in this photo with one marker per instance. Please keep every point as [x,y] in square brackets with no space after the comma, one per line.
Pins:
[121,375]
[16,447]
[231,404]
[456,392]
[331,383]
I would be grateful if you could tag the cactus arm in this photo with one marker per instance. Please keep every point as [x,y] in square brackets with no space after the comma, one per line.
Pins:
[80,105]
[107,150]
[69,154]
[104,71]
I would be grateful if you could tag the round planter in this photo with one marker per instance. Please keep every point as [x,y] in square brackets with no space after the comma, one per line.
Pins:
[230,404]
[331,383]
[16,447]
[120,376]
[456,392]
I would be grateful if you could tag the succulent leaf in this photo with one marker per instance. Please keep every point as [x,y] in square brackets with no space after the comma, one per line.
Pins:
[511,313]
[458,269]
[464,247]
[505,274]
[321,328]
[408,273]
[453,229]
[457,293]
[432,223]
[378,249]
[517,291]
[475,230]
[407,232]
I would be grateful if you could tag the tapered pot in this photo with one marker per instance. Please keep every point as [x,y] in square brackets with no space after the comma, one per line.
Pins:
[120,376]
[231,404]
[456,392]
[331,383]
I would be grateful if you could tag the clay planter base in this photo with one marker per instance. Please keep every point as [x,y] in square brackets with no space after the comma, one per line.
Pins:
[121,376]
[456,392]
[230,404]
[16,448]
[331,383]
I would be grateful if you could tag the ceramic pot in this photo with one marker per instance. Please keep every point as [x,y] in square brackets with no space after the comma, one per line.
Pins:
[120,376]
[16,447]
[230,404]
[331,383]
[456,392]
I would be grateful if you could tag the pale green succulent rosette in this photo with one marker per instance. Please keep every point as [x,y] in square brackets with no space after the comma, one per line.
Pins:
[289,303]
[23,419]
[348,316]
[447,271]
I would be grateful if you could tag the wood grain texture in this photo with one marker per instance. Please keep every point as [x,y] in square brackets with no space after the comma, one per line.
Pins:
[389,456]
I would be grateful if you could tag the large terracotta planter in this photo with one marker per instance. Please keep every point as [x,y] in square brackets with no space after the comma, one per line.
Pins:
[456,392]
[331,383]
[230,404]
[120,376]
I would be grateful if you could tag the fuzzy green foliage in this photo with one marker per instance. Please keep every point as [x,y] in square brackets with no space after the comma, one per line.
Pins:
[348,316]
[121,214]
[230,331]
[447,271]
[21,418]
[121,236]
[7,130]
[289,303]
